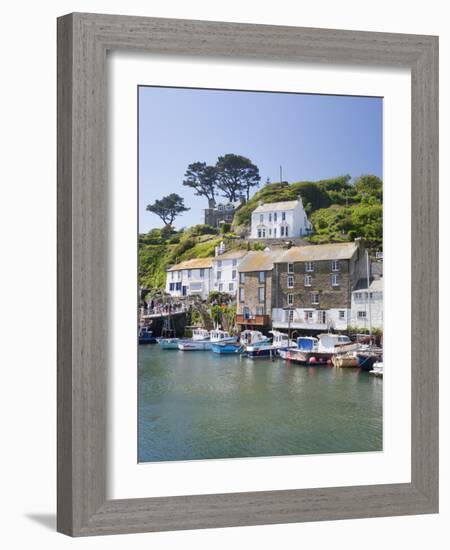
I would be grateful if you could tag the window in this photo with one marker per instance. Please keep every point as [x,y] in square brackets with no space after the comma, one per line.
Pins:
[220,207]
[234,263]
[241,294]
[286,231]
[177,286]
[315,298]
[335,265]
[334,280]
[362,315]
[270,217]
[220,287]
[291,315]
[309,266]
[281,231]
[171,286]
[308,280]
[189,271]
[242,278]
[283,216]
[275,217]
[261,218]
[233,274]
[259,233]
[172,275]
[290,281]
[308,315]
[219,263]
[202,273]
[275,232]
[290,299]
[270,231]
[342,314]
[230,287]
[262,276]
[259,310]
[322,317]
[261,294]
[219,275]
[179,275]
[290,268]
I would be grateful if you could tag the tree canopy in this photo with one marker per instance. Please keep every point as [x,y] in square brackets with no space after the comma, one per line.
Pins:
[237,175]
[202,178]
[168,208]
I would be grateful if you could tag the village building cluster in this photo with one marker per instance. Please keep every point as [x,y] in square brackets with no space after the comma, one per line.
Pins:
[307,287]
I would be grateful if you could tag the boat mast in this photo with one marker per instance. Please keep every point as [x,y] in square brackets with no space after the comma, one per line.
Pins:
[368,294]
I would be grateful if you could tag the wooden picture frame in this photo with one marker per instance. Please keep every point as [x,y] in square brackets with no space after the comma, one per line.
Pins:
[83,41]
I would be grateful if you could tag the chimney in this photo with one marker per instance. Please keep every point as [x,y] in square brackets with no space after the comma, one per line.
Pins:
[260,202]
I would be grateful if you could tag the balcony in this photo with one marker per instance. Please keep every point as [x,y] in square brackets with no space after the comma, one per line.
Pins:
[253,320]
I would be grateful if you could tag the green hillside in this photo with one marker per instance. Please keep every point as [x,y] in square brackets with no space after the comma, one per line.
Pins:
[338,210]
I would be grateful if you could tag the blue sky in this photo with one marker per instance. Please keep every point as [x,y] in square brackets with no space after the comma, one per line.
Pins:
[312,137]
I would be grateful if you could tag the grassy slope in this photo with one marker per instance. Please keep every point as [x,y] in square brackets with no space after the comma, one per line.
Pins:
[333,206]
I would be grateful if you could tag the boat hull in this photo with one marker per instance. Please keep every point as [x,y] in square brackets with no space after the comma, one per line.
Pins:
[310,358]
[169,343]
[366,361]
[228,348]
[195,345]
[260,352]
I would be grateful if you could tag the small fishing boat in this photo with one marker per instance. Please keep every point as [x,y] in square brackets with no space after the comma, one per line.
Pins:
[343,360]
[368,358]
[261,351]
[145,336]
[316,351]
[218,336]
[281,341]
[200,341]
[227,347]
[169,343]
[377,369]
[253,338]
[194,345]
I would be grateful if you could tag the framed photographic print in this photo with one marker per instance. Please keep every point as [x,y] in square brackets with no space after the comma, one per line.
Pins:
[247,274]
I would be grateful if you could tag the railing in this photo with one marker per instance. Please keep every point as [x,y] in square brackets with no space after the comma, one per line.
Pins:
[259,320]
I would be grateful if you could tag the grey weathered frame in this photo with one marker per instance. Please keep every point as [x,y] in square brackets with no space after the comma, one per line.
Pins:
[83,40]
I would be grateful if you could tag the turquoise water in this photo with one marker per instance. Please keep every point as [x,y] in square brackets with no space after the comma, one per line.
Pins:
[198,405]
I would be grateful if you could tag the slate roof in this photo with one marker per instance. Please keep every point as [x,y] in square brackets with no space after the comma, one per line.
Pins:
[258,261]
[196,263]
[318,252]
[278,206]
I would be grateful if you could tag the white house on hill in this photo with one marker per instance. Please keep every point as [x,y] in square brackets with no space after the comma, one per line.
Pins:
[225,269]
[190,277]
[280,220]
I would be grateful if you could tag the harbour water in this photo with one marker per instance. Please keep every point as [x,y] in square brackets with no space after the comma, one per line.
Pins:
[200,405]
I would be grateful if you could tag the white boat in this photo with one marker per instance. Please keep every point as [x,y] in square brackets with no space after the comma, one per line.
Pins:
[281,340]
[315,351]
[200,334]
[218,336]
[200,341]
[377,369]
[253,338]
[169,343]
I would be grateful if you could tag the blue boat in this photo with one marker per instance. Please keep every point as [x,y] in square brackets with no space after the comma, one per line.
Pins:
[227,347]
[146,336]
[261,351]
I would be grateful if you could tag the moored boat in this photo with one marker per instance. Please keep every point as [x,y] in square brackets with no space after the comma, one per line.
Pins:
[260,351]
[217,336]
[194,345]
[145,336]
[281,341]
[253,338]
[227,347]
[377,368]
[169,343]
[315,351]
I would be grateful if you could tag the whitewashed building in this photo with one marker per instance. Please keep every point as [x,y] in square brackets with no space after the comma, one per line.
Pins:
[191,277]
[280,220]
[367,306]
[225,269]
